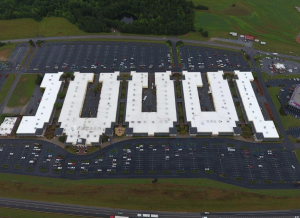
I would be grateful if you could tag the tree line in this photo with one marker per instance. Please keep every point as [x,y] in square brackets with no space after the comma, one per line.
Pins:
[170,17]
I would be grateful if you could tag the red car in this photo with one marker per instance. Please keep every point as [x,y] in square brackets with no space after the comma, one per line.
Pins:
[250,166]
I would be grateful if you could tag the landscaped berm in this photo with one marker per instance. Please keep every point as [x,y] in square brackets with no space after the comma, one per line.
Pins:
[23,91]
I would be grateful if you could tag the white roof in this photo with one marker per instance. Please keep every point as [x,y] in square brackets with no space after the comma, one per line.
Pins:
[7,125]
[29,124]
[224,118]
[279,66]
[151,122]
[90,129]
[252,107]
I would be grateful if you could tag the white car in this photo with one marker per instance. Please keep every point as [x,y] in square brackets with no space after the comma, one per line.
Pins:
[260,166]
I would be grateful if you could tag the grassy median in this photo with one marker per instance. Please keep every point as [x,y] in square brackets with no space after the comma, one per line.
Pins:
[6,86]
[23,91]
[167,195]
[16,213]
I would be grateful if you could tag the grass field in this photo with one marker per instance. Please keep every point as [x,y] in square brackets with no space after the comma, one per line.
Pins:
[6,86]
[16,213]
[273,21]
[23,91]
[285,76]
[6,50]
[29,28]
[297,151]
[166,195]
[287,121]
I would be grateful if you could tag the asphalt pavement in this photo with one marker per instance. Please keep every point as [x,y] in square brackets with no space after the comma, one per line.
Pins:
[88,211]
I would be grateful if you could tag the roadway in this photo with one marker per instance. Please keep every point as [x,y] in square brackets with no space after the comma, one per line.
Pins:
[90,211]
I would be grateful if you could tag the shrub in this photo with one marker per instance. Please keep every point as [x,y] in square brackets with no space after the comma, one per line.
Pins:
[62,138]
[169,43]
[61,95]
[38,79]
[204,33]
[58,105]
[201,7]
[179,43]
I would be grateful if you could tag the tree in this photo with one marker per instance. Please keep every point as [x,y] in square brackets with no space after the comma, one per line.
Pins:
[63,76]
[169,43]
[204,33]
[155,180]
[38,79]
[58,105]
[201,7]
[62,138]
[96,89]
[179,43]
[61,95]
[42,90]
[31,43]
[248,57]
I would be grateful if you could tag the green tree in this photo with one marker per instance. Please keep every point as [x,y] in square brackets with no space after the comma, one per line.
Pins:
[58,105]
[61,95]
[62,138]
[38,79]
[204,33]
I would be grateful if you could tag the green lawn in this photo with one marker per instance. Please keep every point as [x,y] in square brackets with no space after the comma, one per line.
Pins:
[6,86]
[297,151]
[16,213]
[273,21]
[6,50]
[229,43]
[287,121]
[52,26]
[285,76]
[166,195]
[23,91]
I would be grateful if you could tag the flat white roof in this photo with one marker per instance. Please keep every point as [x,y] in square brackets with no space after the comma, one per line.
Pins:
[90,129]
[279,66]
[29,124]
[7,125]
[151,122]
[224,118]
[251,106]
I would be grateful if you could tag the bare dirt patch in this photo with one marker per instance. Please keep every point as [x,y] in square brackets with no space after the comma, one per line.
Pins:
[25,79]
[3,54]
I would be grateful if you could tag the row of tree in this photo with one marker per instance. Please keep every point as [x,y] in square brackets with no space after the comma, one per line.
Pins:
[170,17]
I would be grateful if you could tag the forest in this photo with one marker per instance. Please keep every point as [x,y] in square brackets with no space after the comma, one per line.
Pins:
[160,17]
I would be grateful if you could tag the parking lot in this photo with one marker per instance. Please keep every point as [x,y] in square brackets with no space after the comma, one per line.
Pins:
[291,67]
[253,164]
[195,58]
[16,58]
[101,56]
